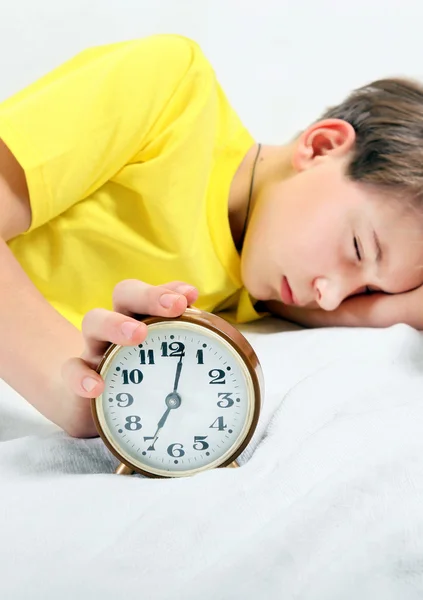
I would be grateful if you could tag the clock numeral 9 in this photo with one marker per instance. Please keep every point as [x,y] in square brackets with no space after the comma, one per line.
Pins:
[226,396]
[217,376]
[134,376]
[176,349]
[133,423]
[124,400]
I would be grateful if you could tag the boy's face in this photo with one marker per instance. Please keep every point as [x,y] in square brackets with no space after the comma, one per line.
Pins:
[316,238]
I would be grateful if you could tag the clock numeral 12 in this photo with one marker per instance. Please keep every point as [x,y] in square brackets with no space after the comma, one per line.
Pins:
[176,349]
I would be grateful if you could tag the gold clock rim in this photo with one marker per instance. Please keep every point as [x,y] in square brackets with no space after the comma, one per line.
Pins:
[238,342]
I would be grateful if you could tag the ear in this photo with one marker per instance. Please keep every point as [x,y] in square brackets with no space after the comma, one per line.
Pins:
[330,137]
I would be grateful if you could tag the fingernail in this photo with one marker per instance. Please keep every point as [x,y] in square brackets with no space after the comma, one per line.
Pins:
[168,300]
[88,383]
[184,289]
[128,329]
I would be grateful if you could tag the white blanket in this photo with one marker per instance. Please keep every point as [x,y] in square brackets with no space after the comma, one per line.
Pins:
[328,504]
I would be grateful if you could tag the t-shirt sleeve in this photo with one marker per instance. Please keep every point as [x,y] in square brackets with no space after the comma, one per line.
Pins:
[76,127]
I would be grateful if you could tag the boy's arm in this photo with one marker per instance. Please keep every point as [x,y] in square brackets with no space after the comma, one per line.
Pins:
[46,359]
[374,310]
[35,342]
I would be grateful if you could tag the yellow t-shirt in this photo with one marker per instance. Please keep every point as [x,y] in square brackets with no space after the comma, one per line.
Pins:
[129,152]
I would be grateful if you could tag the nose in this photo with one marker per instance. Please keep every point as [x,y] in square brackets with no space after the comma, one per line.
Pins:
[328,294]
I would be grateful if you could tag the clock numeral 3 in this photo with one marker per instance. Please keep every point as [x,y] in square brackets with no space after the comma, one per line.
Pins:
[226,396]
[147,357]
[220,424]
[133,423]
[124,398]
[176,349]
[174,451]
[134,376]
[217,375]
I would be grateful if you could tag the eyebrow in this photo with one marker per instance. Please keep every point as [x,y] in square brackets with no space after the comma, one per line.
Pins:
[379,254]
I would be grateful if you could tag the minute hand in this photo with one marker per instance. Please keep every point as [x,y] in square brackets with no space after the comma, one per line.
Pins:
[178,374]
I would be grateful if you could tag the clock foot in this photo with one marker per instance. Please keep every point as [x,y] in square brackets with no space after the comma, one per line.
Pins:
[233,465]
[123,470]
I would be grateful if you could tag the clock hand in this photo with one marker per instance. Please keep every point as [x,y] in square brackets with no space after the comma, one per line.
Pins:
[178,374]
[162,420]
[173,400]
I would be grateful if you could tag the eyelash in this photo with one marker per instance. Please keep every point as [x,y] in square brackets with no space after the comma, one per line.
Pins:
[357,251]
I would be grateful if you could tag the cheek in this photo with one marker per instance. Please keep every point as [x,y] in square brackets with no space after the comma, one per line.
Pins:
[266,227]
[313,241]
[303,227]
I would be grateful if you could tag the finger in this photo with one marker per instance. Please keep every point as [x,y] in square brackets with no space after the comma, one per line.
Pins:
[101,327]
[169,300]
[81,379]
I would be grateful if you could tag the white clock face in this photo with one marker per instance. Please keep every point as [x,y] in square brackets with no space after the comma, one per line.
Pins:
[180,402]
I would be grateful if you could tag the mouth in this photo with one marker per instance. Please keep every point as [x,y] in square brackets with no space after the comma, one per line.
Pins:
[287,295]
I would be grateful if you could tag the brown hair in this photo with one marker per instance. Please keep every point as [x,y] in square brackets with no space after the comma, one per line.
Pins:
[387,116]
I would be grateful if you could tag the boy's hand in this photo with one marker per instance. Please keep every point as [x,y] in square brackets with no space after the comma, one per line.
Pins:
[101,327]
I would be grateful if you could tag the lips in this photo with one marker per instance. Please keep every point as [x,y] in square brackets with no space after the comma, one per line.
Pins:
[287,296]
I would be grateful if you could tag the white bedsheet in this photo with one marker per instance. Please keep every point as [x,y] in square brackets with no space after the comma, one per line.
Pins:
[327,505]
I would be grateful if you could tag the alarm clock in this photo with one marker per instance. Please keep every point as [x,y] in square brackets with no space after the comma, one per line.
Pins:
[184,401]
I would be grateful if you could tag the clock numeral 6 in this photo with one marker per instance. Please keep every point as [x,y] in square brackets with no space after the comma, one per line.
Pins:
[226,396]
[217,375]
[134,376]
[133,423]
[174,451]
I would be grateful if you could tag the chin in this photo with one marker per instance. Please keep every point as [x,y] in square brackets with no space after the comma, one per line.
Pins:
[268,296]
[257,291]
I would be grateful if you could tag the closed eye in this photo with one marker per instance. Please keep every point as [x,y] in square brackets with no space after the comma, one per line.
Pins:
[357,249]
[367,289]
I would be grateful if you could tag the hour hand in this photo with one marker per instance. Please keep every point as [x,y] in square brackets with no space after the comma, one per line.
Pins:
[173,401]
[159,426]
[163,420]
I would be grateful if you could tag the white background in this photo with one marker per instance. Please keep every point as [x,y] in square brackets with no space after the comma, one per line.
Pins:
[281,63]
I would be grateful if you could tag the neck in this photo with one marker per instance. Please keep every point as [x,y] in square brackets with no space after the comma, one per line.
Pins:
[274,164]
